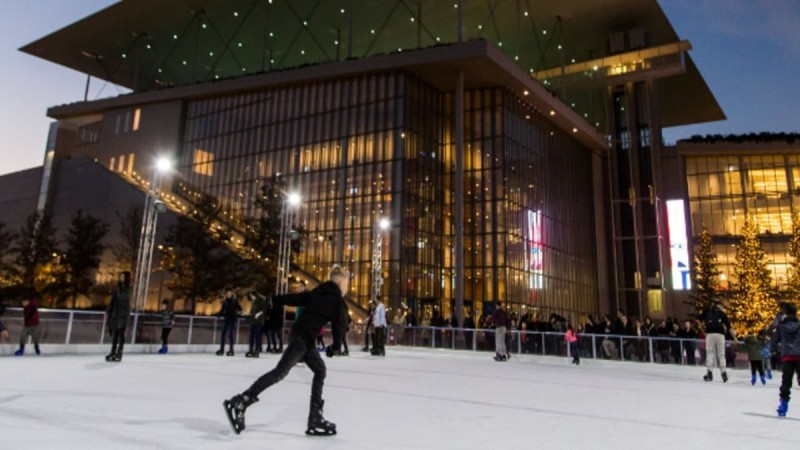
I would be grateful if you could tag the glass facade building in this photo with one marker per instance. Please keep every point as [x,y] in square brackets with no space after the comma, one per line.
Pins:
[724,187]
[383,145]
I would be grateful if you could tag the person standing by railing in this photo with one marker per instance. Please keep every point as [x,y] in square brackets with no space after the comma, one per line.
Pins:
[229,311]
[500,322]
[688,335]
[368,326]
[3,330]
[276,327]
[118,313]
[258,308]
[167,321]
[572,341]
[379,322]
[31,328]
[717,324]
[398,324]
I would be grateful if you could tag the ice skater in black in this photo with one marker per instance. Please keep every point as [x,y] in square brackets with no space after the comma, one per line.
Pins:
[323,304]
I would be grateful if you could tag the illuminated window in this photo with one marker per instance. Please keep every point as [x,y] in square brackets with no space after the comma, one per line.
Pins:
[137,114]
[111,164]
[203,162]
[121,166]
[130,163]
[655,301]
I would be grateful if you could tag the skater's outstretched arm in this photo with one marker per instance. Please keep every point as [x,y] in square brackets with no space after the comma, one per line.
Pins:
[300,299]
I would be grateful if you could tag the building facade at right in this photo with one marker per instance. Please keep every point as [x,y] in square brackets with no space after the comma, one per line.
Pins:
[725,180]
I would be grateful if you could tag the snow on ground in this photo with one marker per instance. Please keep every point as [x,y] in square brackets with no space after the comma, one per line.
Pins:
[412,399]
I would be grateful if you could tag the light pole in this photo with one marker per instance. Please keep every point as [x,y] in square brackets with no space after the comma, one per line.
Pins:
[144,256]
[290,204]
[377,260]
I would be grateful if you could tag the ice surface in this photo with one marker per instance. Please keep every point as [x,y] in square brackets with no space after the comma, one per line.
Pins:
[412,399]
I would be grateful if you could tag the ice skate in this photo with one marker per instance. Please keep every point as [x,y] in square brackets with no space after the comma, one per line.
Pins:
[248,355]
[110,357]
[162,350]
[220,352]
[724,377]
[235,408]
[36,348]
[769,374]
[317,425]
[230,353]
[753,380]
[20,352]
[117,357]
[783,407]
[708,376]
[763,381]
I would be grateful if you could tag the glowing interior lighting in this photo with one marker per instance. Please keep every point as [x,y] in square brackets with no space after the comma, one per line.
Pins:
[163,165]
[294,199]
[384,224]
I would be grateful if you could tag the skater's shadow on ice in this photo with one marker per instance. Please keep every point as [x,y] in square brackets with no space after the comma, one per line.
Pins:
[210,429]
[99,366]
[10,398]
[770,416]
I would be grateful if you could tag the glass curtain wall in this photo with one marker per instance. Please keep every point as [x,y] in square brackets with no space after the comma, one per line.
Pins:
[724,189]
[383,146]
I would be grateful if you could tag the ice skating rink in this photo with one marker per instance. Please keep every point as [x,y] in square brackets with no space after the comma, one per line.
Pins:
[412,399]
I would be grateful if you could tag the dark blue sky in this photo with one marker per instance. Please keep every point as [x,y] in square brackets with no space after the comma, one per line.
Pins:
[747,50]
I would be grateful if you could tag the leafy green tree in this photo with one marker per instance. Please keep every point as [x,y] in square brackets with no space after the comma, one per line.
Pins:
[34,249]
[704,273]
[752,306]
[84,248]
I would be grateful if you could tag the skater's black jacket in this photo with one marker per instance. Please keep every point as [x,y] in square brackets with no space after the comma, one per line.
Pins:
[321,305]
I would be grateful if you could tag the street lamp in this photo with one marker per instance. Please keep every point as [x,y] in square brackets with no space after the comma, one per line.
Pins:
[377,259]
[144,256]
[290,205]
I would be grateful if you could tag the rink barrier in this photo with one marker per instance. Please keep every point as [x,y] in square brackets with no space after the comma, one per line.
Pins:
[82,331]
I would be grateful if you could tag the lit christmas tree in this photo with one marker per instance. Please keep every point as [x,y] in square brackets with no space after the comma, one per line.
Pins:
[704,273]
[752,307]
[793,274]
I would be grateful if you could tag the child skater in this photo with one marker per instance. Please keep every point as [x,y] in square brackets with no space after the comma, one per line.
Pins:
[766,354]
[322,305]
[167,322]
[753,348]
[572,341]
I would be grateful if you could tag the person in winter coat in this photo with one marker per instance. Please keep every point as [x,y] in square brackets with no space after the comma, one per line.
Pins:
[256,319]
[753,348]
[167,322]
[368,328]
[379,322]
[572,341]
[688,336]
[31,328]
[117,315]
[323,304]
[3,329]
[500,322]
[276,327]
[229,312]
[788,337]
[717,325]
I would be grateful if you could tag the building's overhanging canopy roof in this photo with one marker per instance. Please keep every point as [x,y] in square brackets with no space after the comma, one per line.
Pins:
[147,44]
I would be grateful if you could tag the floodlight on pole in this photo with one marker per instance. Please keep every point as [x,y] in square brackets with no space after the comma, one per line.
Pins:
[377,258]
[144,255]
[291,203]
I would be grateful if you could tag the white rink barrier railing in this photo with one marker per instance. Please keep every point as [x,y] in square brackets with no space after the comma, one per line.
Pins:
[69,329]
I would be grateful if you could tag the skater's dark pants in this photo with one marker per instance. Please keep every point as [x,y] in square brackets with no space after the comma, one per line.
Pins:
[165,335]
[117,340]
[789,369]
[228,329]
[757,365]
[379,341]
[255,338]
[297,350]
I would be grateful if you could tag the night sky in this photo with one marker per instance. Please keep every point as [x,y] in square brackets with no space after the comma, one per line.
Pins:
[747,50]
